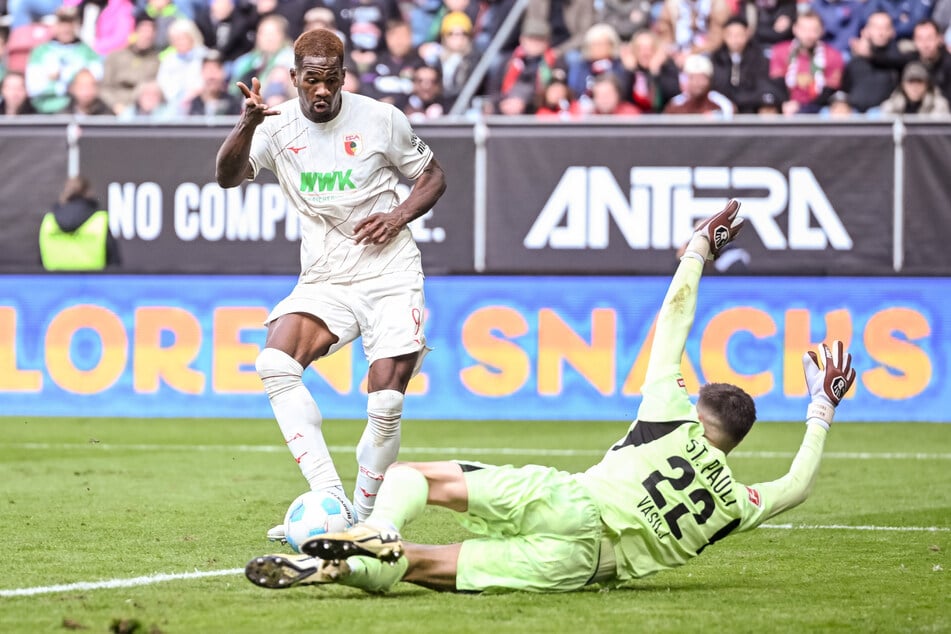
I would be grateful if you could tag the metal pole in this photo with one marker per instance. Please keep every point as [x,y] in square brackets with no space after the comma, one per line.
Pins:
[898,202]
[480,133]
[73,133]
[468,90]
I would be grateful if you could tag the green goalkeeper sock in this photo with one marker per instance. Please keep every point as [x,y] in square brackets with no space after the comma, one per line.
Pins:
[373,575]
[401,499]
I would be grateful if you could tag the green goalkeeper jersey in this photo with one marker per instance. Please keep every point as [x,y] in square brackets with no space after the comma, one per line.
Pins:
[664,491]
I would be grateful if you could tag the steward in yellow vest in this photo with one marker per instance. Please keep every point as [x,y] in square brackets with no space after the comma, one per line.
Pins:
[75,235]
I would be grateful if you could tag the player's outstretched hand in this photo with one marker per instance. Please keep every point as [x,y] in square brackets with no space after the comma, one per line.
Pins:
[829,381]
[255,109]
[717,230]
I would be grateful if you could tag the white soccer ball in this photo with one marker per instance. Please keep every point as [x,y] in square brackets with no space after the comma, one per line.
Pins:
[315,513]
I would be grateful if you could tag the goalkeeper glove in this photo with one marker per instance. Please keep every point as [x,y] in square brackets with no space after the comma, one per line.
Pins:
[829,382]
[715,232]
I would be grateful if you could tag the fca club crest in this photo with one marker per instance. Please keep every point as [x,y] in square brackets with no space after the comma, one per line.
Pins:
[353,144]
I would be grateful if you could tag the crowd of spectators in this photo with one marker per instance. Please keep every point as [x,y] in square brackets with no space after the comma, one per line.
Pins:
[565,59]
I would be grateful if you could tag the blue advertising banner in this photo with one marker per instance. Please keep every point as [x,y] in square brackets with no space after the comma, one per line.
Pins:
[520,348]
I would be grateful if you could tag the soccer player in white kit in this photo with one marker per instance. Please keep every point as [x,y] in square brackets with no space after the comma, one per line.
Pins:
[338,158]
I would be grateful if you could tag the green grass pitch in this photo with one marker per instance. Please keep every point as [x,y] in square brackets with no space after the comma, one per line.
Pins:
[98,500]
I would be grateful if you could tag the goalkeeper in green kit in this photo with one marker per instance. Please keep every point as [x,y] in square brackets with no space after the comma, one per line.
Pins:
[661,495]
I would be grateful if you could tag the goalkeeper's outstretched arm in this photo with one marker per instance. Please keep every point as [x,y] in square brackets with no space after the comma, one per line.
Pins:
[675,320]
[680,304]
[827,386]
[665,398]
[793,488]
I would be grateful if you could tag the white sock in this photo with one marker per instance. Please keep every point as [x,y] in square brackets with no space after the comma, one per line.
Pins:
[378,447]
[298,417]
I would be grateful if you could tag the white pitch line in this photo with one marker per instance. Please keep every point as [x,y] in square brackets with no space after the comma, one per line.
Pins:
[160,578]
[515,451]
[842,527]
[118,583]
[458,451]
[848,455]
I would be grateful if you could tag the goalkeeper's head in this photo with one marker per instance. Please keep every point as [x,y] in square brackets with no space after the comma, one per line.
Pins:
[727,413]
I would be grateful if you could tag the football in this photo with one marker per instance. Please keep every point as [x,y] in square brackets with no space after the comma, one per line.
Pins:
[316,513]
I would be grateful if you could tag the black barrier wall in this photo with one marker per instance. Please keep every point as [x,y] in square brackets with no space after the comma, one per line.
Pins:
[622,200]
[926,224]
[172,217]
[821,198]
[33,167]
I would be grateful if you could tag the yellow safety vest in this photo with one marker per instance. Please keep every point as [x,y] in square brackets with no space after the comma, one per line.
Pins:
[81,250]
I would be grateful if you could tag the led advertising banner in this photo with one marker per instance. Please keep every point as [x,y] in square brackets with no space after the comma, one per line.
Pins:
[503,348]
[622,200]
[170,215]
[821,198]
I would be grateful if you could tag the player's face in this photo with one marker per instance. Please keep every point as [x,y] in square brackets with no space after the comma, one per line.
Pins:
[319,81]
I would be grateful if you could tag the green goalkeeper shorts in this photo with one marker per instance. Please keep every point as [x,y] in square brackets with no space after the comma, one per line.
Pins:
[541,530]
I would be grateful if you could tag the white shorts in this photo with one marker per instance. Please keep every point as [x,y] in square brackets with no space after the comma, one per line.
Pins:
[388,311]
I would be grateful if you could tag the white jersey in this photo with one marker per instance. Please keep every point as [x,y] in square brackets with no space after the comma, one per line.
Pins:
[336,174]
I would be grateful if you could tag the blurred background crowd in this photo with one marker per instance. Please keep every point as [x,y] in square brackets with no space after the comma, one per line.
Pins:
[164,59]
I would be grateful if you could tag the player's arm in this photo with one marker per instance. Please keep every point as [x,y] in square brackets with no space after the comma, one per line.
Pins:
[827,386]
[380,228]
[428,189]
[413,158]
[661,390]
[233,165]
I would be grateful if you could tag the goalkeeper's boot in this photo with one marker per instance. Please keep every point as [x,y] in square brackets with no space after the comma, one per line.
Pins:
[286,571]
[362,539]
[276,534]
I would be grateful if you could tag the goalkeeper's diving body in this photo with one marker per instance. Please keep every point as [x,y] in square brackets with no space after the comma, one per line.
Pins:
[659,497]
